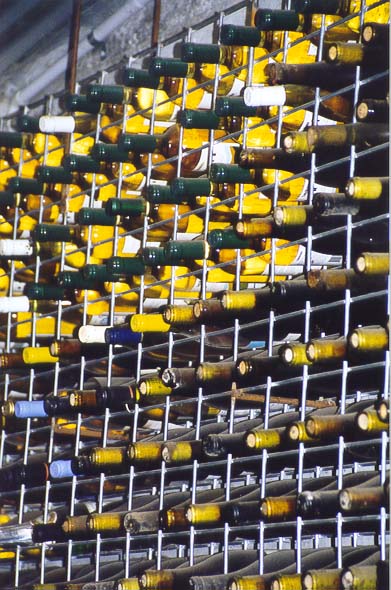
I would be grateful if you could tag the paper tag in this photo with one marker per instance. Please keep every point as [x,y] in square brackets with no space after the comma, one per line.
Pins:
[131,245]
[206,101]
[160,182]
[103,319]
[325,121]
[308,118]
[222,152]
[325,259]
[320,188]
[237,87]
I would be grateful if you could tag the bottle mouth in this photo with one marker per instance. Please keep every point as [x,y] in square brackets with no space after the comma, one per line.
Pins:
[344,500]
[311,352]
[333,53]
[287,355]
[251,441]
[362,111]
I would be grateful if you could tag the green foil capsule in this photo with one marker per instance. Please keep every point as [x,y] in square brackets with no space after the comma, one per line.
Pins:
[39,291]
[75,163]
[194,119]
[161,193]
[27,124]
[53,174]
[118,266]
[176,250]
[11,139]
[138,142]
[168,66]
[17,184]
[95,272]
[74,279]
[200,53]
[91,216]
[7,199]
[238,35]
[221,173]
[226,238]
[80,103]
[45,232]
[139,79]
[126,207]
[106,93]
[233,105]
[188,188]
[153,256]
[104,152]
[317,6]
[276,20]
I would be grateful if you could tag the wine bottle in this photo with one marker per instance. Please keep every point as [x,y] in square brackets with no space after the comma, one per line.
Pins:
[355,54]
[194,163]
[289,20]
[337,280]
[140,98]
[372,264]
[355,576]
[342,8]
[31,475]
[368,422]
[323,75]
[362,500]
[310,560]
[375,33]
[382,409]
[329,428]
[318,138]
[266,99]
[372,110]
[369,339]
[179,577]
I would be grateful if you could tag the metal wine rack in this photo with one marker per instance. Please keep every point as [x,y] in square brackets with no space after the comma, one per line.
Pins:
[46,441]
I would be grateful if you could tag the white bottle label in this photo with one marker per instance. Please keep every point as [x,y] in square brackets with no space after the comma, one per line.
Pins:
[206,101]
[222,153]
[160,182]
[237,87]
[102,320]
[308,121]
[321,188]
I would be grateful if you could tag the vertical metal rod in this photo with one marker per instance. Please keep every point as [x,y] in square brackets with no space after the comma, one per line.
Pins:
[156,23]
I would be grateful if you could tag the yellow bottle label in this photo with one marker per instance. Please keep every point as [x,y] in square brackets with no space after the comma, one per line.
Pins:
[45,326]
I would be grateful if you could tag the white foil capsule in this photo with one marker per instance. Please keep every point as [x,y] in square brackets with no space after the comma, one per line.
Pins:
[264,96]
[92,334]
[57,124]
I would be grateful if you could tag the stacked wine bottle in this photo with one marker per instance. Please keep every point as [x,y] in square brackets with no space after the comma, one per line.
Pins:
[194,278]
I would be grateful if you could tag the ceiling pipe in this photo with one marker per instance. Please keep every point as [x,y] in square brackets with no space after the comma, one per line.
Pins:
[32,90]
